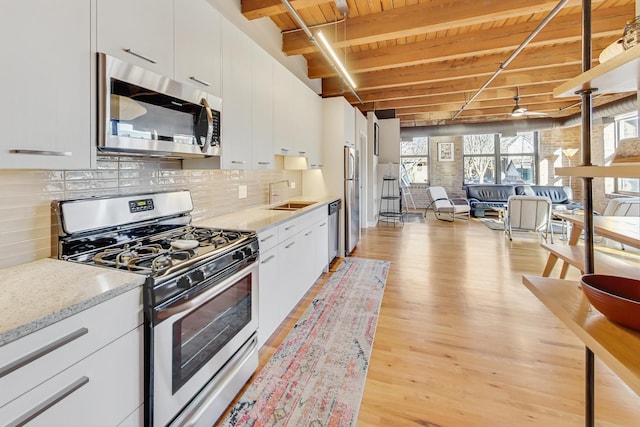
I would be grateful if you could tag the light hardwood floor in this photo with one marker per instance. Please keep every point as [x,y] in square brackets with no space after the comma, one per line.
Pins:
[461,342]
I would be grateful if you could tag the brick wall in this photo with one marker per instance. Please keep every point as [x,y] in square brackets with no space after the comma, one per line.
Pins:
[552,142]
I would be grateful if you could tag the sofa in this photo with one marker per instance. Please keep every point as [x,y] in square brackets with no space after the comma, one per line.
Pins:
[493,197]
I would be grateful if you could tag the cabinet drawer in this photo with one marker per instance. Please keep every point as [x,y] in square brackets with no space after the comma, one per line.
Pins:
[31,360]
[104,388]
[268,239]
[288,229]
[308,219]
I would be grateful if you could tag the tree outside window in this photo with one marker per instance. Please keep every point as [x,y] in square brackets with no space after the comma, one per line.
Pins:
[492,159]
[414,156]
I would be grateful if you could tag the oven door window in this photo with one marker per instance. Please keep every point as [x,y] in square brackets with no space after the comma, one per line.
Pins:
[199,335]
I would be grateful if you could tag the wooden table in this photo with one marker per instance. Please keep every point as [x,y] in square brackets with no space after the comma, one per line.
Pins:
[618,347]
[623,229]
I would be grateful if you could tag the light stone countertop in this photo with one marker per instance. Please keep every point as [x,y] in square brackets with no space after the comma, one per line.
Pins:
[261,218]
[39,293]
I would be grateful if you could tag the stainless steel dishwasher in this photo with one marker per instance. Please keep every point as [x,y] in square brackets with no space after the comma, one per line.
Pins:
[334,207]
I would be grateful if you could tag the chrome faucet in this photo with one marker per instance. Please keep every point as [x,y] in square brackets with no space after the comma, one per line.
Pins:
[272,194]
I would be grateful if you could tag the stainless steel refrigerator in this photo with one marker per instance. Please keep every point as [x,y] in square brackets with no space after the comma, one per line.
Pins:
[352,199]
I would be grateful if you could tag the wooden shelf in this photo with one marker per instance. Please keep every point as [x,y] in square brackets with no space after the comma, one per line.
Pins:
[618,347]
[614,171]
[619,74]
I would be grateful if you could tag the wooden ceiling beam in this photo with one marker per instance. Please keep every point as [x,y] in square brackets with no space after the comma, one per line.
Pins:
[420,19]
[547,107]
[486,98]
[254,9]
[530,59]
[470,85]
[606,24]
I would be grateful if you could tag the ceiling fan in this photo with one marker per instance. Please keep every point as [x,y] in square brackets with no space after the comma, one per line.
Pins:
[519,110]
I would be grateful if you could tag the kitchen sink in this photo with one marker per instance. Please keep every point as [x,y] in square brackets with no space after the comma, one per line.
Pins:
[292,206]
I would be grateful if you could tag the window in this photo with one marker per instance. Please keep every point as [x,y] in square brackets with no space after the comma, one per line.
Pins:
[414,156]
[494,159]
[625,126]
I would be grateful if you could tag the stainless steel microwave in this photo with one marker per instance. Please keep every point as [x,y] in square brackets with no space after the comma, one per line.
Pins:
[141,112]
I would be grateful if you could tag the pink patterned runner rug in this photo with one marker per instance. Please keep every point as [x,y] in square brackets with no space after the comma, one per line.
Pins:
[316,377]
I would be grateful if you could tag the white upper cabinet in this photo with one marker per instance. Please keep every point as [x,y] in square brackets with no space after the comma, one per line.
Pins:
[339,121]
[284,111]
[262,108]
[138,31]
[298,115]
[197,39]
[46,84]
[236,98]
[313,131]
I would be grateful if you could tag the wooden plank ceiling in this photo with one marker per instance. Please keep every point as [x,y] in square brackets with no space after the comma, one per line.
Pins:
[426,58]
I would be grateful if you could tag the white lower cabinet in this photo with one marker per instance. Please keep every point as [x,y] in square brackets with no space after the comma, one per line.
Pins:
[268,294]
[79,371]
[290,257]
[290,263]
[307,270]
[103,388]
[322,245]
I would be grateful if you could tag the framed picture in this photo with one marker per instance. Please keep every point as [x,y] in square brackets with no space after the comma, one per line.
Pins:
[376,142]
[445,151]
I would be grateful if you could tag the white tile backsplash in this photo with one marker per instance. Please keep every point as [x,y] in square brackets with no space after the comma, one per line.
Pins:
[25,196]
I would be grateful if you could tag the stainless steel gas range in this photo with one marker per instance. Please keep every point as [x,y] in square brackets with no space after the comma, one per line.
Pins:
[200,296]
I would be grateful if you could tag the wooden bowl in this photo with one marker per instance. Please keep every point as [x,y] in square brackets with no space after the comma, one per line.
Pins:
[618,298]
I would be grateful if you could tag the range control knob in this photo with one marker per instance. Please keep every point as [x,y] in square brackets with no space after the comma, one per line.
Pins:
[239,255]
[247,251]
[185,282]
[190,280]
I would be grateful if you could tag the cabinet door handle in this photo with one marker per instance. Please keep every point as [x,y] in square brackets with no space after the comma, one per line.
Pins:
[267,238]
[48,403]
[264,163]
[323,224]
[197,80]
[41,152]
[269,258]
[238,162]
[302,153]
[139,55]
[42,351]
[289,245]
[285,150]
[307,234]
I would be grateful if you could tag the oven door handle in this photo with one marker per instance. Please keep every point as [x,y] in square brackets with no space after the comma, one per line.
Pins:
[193,301]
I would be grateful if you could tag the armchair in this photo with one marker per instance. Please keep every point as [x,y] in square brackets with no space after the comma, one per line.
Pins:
[445,208]
[531,213]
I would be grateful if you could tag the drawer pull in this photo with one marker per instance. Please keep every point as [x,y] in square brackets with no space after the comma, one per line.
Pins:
[139,55]
[34,355]
[269,258]
[323,224]
[48,403]
[41,152]
[197,80]
[267,238]
[307,234]
[289,227]
[238,162]
[264,163]
[289,245]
